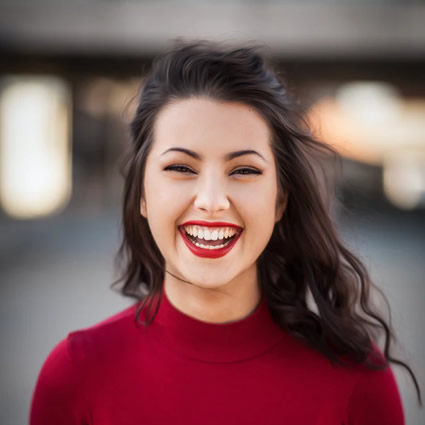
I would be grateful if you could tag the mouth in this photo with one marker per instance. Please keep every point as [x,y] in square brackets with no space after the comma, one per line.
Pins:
[211,242]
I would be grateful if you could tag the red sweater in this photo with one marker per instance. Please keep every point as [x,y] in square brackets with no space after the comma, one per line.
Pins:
[180,370]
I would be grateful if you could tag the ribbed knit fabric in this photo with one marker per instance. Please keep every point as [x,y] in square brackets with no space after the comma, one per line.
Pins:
[180,370]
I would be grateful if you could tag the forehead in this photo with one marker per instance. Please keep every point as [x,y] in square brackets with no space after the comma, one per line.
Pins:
[211,127]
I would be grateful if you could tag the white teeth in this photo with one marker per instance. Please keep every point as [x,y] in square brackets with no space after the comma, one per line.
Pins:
[209,246]
[219,233]
[209,233]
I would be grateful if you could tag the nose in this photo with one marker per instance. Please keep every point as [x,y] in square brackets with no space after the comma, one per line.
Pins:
[211,195]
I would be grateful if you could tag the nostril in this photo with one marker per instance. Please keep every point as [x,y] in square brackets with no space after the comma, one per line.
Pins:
[212,202]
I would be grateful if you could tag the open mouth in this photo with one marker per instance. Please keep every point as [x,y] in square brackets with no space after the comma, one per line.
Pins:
[211,244]
[210,241]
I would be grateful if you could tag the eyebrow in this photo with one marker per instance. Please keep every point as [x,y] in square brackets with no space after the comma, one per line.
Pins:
[227,157]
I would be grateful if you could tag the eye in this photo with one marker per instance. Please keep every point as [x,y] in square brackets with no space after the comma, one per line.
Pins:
[186,170]
[179,169]
[247,171]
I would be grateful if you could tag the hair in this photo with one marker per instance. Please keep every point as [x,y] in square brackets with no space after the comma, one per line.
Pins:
[305,256]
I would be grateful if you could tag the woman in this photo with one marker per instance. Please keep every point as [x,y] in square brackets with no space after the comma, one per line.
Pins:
[226,242]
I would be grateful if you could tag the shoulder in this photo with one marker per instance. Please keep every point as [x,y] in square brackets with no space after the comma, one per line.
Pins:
[375,397]
[366,396]
[59,389]
[64,383]
[79,349]
[112,334]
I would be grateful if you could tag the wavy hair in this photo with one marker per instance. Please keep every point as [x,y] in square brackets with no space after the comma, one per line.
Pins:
[305,256]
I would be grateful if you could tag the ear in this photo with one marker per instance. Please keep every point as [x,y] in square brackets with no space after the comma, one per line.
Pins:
[281,204]
[143,210]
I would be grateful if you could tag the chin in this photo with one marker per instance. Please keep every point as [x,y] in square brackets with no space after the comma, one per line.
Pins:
[201,282]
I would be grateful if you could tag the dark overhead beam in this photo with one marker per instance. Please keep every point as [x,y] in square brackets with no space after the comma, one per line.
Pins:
[297,30]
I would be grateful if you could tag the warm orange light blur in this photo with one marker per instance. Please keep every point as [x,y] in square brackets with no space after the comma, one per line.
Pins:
[370,123]
[367,121]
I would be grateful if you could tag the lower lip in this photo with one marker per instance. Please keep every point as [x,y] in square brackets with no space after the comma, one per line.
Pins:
[208,253]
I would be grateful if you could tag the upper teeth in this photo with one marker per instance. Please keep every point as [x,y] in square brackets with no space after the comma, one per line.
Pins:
[210,233]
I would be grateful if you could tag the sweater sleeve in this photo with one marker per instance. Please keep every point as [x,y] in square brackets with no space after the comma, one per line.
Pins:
[376,400]
[58,397]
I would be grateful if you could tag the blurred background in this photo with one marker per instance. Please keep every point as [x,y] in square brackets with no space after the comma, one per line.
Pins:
[69,72]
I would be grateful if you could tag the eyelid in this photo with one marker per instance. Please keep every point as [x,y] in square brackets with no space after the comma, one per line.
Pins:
[254,171]
[174,167]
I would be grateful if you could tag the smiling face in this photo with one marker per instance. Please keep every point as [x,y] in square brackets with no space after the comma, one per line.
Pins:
[211,162]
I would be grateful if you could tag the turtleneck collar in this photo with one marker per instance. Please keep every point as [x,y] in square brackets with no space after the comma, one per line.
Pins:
[215,342]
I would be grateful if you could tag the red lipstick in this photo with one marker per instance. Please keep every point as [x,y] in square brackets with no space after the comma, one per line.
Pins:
[210,224]
[205,252]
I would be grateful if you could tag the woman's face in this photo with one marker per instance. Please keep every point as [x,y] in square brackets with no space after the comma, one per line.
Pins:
[197,171]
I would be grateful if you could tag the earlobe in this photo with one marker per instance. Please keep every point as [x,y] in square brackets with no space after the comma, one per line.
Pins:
[281,207]
[143,208]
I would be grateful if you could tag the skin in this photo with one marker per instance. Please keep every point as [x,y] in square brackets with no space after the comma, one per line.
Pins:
[223,289]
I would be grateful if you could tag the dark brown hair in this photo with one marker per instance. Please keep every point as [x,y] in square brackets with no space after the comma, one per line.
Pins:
[304,257]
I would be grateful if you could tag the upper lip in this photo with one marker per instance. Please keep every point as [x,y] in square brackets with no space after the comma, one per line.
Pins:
[211,224]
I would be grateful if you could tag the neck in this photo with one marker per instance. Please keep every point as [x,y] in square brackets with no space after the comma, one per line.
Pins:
[227,303]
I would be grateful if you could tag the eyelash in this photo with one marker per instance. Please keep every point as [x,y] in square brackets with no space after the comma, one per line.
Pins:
[187,169]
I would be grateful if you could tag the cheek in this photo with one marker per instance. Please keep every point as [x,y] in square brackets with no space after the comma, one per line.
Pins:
[258,211]
[166,202]
[161,192]
[256,200]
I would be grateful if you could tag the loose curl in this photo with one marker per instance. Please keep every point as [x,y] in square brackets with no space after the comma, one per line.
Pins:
[304,257]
